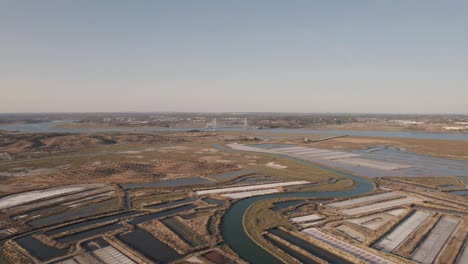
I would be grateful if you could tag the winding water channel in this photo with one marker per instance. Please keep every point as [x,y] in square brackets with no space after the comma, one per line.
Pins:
[232,228]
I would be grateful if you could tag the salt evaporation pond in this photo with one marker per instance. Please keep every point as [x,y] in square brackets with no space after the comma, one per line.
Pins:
[38,249]
[85,211]
[149,246]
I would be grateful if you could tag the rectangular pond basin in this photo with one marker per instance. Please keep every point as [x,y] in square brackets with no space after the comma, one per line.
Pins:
[433,244]
[90,222]
[290,251]
[38,249]
[149,246]
[149,217]
[72,214]
[312,249]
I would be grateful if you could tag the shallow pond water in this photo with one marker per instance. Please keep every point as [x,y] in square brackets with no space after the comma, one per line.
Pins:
[90,222]
[89,233]
[38,249]
[150,246]
[70,215]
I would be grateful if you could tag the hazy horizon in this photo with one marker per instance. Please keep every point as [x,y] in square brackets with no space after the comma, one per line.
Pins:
[386,57]
[236,113]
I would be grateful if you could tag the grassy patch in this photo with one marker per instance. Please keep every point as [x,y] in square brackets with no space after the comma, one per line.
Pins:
[324,187]
[258,219]
[213,223]
[185,232]
[3,260]
[141,197]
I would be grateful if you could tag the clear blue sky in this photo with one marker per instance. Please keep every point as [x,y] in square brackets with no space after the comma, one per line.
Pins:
[394,56]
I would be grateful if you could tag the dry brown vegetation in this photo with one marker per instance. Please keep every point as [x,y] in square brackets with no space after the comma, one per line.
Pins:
[217,257]
[188,234]
[259,219]
[11,254]
[454,245]
[131,158]
[160,231]
[20,142]
[199,225]
[59,159]
[142,197]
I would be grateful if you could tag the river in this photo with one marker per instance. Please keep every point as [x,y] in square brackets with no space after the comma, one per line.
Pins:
[48,127]
[232,229]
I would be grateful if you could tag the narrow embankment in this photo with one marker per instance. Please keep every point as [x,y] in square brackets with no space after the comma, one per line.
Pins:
[235,236]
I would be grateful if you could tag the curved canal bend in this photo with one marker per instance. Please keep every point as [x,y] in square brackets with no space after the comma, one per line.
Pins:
[232,229]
